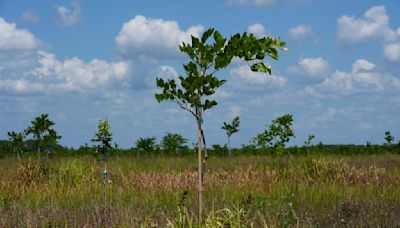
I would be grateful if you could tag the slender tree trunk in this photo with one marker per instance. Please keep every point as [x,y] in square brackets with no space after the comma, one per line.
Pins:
[199,154]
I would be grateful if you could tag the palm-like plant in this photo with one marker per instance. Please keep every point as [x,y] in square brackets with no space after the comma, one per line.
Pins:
[230,129]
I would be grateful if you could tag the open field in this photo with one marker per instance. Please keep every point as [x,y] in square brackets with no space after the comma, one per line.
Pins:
[247,191]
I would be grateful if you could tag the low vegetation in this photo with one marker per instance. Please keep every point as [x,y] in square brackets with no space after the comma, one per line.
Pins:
[242,191]
[264,184]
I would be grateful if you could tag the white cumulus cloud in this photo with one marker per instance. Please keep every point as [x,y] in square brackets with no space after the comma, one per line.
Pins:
[362,65]
[13,38]
[69,17]
[374,24]
[153,37]
[243,74]
[362,78]
[314,66]
[21,86]
[41,72]
[257,29]
[301,33]
[75,75]
[169,72]
[392,52]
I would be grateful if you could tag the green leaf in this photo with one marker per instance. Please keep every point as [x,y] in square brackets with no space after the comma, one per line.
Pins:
[219,39]
[195,42]
[160,82]
[273,53]
[159,97]
[207,35]
[209,104]
[261,67]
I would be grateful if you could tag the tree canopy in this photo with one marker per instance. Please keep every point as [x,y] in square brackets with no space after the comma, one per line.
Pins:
[42,132]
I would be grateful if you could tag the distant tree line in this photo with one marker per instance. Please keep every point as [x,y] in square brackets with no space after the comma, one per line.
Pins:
[272,141]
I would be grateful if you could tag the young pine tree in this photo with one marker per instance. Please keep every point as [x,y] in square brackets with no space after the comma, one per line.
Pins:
[42,132]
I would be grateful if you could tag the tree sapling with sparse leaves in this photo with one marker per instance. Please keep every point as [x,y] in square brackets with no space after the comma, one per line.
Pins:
[199,82]
[231,129]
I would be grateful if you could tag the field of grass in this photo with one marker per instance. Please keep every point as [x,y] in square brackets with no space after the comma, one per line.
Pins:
[242,191]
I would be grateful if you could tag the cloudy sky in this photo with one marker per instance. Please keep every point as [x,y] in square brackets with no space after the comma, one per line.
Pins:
[81,61]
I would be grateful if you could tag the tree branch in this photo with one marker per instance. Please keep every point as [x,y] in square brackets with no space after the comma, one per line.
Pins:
[184,107]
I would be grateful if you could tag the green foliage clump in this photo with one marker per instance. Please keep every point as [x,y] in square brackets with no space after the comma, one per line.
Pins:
[219,150]
[42,132]
[173,143]
[147,144]
[206,58]
[277,134]
[17,141]
[309,140]
[103,138]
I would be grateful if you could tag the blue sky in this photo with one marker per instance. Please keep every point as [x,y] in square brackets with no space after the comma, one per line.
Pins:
[81,61]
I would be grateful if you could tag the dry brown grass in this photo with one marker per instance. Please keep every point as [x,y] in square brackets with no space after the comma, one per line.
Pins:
[309,191]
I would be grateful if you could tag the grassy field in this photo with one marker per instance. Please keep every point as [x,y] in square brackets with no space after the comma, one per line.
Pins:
[242,191]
